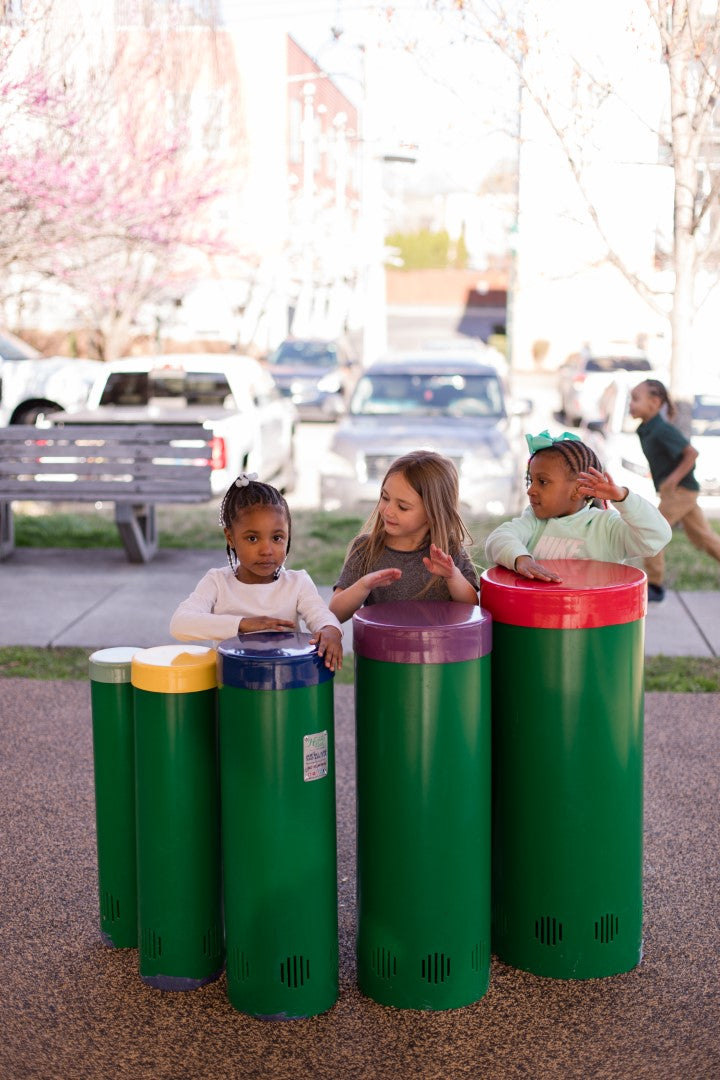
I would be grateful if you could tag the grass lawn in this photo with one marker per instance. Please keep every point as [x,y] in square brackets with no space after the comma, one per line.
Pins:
[680,674]
[319,540]
[319,543]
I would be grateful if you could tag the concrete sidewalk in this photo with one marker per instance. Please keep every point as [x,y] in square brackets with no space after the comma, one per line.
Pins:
[94,598]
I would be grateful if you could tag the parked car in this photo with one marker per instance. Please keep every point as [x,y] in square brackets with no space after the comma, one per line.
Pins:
[455,405]
[585,375]
[32,385]
[318,375]
[234,396]
[618,446]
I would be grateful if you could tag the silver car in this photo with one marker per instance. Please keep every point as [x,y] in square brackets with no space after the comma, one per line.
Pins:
[453,405]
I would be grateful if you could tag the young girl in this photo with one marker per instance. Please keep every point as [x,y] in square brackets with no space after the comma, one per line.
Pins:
[256,592]
[671,459]
[566,520]
[412,545]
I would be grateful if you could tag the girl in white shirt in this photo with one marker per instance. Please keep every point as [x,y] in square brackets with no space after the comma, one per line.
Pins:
[255,592]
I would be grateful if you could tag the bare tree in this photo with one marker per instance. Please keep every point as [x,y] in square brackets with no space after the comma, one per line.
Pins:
[681,37]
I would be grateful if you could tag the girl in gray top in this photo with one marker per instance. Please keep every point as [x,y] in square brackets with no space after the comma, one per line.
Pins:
[413,544]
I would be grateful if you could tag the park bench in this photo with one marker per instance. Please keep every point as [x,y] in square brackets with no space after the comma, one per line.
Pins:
[134,466]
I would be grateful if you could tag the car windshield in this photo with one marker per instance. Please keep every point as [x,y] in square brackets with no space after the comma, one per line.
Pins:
[425,395]
[305,354]
[14,349]
[174,386]
[706,415]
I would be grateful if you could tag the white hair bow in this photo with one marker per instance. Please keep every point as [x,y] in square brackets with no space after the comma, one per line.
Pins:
[244,479]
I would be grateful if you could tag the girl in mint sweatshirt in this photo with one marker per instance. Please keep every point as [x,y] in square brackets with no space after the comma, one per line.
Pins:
[568,516]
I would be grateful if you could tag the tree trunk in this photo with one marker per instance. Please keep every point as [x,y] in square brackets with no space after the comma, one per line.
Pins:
[680,58]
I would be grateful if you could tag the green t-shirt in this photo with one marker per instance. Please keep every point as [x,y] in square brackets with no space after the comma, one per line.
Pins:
[663,444]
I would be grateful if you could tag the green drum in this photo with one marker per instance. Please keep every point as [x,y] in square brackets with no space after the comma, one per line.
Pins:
[422,694]
[178,816]
[111,697]
[567,768]
[277,769]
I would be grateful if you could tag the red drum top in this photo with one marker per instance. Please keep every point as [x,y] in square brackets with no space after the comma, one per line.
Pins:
[590,594]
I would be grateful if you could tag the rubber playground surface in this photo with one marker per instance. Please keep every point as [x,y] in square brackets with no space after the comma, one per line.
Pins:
[72,1007]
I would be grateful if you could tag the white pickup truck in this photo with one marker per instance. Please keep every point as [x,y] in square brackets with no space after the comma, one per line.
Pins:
[32,385]
[252,424]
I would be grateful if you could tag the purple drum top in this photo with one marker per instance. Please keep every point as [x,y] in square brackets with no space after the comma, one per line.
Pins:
[422,632]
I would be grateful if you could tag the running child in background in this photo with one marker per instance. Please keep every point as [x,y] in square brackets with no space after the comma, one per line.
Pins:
[566,518]
[255,591]
[671,459]
[412,546]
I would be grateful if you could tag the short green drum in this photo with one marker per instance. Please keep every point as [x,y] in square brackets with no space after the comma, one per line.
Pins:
[178,816]
[567,733]
[422,694]
[113,727]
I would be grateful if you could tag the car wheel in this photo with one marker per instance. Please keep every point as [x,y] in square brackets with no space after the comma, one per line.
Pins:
[32,414]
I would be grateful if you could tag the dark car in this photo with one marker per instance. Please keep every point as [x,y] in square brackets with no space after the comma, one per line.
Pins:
[452,404]
[318,375]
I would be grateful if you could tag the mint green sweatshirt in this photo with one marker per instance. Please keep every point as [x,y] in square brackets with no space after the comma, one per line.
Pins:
[630,529]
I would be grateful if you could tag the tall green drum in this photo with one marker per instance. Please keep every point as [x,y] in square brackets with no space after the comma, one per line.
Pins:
[422,694]
[111,697]
[277,769]
[178,816]
[567,768]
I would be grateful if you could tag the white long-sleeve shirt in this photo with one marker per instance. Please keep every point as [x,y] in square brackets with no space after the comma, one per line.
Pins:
[214,609]
[630,529]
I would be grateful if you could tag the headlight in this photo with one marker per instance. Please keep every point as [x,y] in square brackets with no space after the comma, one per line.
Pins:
[329,384]
[339,466]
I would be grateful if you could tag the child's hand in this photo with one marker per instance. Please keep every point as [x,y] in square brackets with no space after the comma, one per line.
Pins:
[526,566]
[378,578]
[264,622]
[329,645]
[600,486]
[439,563]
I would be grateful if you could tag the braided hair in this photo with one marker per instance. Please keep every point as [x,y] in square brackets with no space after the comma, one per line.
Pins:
[577,458]
[659,390]
[243,494]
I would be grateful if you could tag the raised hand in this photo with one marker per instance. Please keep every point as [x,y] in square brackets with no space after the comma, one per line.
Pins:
[439,563]
[599,485]
[379,578]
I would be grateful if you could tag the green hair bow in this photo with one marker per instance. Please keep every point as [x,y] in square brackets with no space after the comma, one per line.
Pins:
[545,439]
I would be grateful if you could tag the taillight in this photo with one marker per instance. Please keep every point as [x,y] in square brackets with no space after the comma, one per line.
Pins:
[218,454]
